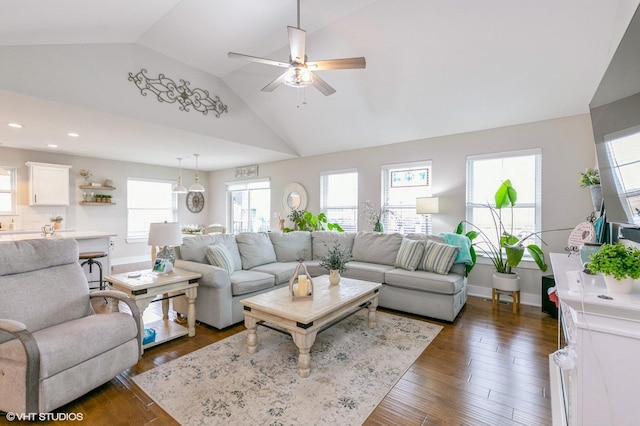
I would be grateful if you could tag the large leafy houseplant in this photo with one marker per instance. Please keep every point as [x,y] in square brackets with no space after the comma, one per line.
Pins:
[307,221]
[506,250]
[616,260]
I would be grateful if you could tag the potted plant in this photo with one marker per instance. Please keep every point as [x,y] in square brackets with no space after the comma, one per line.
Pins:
[591,178]
[619,265]
[307,221]
[56,220]
[335,259]
[506,250]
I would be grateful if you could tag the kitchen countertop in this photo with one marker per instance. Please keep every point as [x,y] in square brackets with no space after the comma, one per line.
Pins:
[78,235]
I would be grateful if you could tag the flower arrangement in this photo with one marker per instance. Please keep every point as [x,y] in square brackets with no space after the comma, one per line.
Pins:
[56,219]
[335,258]
[375,216]
[616,260]
[589,177]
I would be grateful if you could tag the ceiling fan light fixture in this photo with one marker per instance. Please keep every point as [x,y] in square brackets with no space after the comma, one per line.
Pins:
[298,77]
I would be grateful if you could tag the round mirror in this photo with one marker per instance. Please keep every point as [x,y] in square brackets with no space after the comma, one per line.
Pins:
[294,197]
[293,200]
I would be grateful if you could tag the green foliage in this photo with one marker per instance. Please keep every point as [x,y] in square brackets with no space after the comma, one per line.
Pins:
[335,257]
[56,219]
[307,221]
[589,177]
[510,257]
[617,260]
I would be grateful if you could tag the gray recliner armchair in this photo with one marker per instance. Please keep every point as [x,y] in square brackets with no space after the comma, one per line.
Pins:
[53,346]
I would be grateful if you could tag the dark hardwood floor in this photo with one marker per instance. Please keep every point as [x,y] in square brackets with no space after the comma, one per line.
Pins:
[488,367]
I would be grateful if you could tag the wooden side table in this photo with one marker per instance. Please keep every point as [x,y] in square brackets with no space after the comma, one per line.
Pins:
[146,286]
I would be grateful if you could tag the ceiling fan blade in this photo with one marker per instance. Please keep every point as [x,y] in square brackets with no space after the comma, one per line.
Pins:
[322,85]
[256,59]
[275,83]
[337,64]
[297,42]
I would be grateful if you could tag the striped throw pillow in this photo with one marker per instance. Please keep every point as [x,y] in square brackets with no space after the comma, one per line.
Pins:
[409,254]
[438,257]
[218,255]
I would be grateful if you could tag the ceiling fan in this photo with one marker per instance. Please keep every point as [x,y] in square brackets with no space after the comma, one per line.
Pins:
[299,72]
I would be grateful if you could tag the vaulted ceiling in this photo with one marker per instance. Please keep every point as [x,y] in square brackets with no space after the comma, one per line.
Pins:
[434,67]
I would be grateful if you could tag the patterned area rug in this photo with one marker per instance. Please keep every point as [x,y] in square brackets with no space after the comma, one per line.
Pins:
[352,369]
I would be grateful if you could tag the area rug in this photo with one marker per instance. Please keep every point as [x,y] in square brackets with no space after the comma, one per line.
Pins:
[352,369]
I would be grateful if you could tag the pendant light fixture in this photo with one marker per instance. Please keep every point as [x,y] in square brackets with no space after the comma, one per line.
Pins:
[196,187]
[179,188]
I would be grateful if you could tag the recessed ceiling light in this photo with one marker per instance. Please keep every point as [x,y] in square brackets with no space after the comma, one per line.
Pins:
[52,145]
[16,125]
[73,134]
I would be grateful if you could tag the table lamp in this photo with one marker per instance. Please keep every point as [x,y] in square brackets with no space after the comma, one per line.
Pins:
[427,205]
[165,235]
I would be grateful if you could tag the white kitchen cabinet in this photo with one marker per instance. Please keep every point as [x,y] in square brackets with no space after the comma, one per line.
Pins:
[48,184]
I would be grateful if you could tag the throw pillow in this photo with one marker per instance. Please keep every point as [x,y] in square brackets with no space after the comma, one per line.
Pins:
[438,257]
[409,254]
[219,256]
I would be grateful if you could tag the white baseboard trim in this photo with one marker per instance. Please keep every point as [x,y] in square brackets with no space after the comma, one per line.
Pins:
[525,298]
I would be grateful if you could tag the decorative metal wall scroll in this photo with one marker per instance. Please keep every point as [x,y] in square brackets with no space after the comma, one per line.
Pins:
[166,90]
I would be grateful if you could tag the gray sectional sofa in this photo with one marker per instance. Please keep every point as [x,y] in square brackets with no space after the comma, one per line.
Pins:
[417,271]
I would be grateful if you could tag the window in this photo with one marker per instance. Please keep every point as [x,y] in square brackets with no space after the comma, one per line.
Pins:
[149,201]
[7,190]
[401,185]
[339,198]
[485,174]
[625,163]
[250,204]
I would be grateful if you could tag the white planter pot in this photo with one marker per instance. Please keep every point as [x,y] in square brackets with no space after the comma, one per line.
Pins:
[614,286]
[506,282]
[596,197]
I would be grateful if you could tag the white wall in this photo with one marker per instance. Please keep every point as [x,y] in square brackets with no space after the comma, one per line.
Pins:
[567,148]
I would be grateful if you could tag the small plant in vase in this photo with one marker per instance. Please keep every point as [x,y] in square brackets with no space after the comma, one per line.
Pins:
[335,259]
[86,174]
[56,220]
[619,264]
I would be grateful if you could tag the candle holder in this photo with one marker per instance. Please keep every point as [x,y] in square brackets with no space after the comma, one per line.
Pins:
[296,278]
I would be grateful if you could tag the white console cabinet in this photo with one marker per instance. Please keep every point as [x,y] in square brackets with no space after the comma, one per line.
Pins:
[48,184]
[605,335]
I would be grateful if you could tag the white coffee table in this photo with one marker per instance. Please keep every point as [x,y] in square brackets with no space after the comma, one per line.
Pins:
[146,287]
[305,318]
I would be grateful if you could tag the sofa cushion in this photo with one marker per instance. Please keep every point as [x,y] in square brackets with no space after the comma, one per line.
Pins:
[282,271]
[193,248]
[255,249]
[409,254]
[218,255]
[320,240]
[245,282]
[366,271]
[376,247]
[291,246]
[438,257]
[429,282]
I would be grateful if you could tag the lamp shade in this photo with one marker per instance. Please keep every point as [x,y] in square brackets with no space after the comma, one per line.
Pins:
[165,234]
[426,205]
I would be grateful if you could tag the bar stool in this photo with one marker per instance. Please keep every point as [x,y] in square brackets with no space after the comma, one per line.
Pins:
[89,259]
